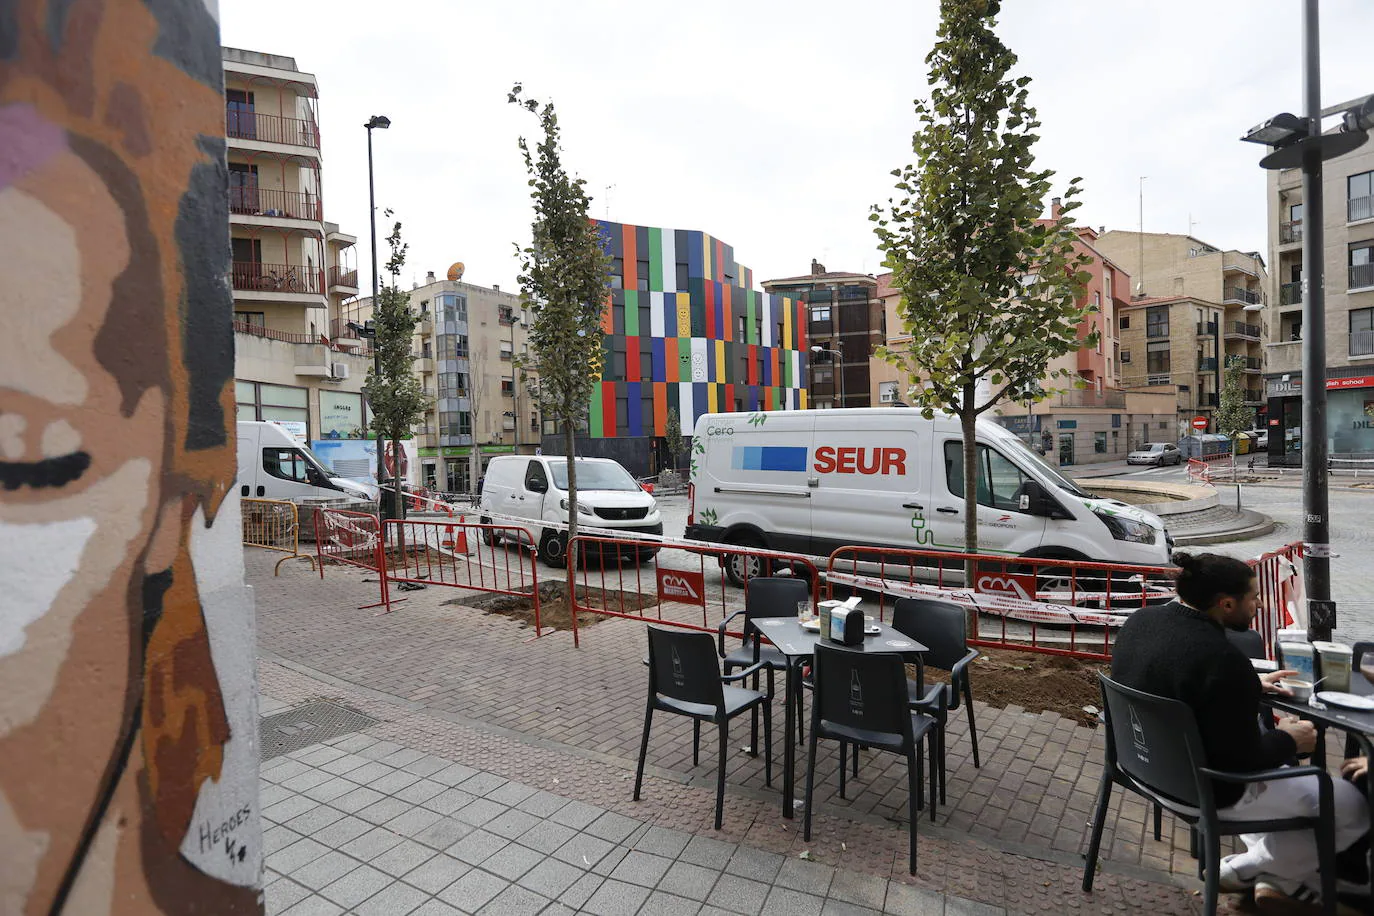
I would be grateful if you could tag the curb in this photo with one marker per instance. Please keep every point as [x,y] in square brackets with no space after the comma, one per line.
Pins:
[1255,528]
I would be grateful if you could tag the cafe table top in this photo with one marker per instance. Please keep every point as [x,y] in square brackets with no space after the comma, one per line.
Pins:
[795,641]
[1335,716]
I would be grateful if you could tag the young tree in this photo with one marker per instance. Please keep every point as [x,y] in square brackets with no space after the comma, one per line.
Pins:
[564,276]
[673,436]
[396,398]
[990,292]
[1233,417]
[477,392]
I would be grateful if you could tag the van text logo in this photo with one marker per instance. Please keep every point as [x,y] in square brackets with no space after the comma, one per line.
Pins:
[1016,585]
[681,585]
[850,459]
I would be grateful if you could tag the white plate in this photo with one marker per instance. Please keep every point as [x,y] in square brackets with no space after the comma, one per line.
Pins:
[1345,700]
[813,625]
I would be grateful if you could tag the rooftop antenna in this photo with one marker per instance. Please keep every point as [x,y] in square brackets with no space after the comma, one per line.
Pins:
[1191,223]
[608,200]
[1140,236]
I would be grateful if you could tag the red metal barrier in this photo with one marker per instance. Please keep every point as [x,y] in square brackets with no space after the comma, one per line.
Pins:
[1281,593]
[681,584]
[353,538]
[481,558]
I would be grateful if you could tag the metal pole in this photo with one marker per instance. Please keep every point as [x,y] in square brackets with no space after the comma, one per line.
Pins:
[376,353]
[514,383]
[839,367]
[1316,522]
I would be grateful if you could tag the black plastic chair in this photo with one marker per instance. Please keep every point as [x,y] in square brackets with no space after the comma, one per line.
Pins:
[941,627]
[1251,642]
[1155,750]
[860,698]
[685,679]
[764,597]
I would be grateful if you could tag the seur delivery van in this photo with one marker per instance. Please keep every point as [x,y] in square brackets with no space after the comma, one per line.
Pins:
[534,489]
[811,481]
[273,464]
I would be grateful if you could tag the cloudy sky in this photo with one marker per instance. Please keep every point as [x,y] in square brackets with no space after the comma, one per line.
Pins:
[774,126]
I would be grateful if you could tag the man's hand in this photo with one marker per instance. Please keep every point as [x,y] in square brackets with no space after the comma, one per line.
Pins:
[1355,768]
[1304,733]
[1270,682]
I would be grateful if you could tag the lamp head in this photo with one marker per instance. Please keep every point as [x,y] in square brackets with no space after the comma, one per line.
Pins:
[817,349]
[1280,130]
[381,122]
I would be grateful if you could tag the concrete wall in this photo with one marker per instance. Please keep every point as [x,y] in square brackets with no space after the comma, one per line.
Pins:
[128,719]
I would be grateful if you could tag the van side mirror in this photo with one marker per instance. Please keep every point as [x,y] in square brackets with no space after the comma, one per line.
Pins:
[535,485]
[1034,499]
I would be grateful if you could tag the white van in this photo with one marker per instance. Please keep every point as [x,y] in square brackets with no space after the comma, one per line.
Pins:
[275,465]
[534,489]
[810,481]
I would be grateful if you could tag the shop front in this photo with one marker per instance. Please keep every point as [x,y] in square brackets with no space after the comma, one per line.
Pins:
[451,465]
[1349,418]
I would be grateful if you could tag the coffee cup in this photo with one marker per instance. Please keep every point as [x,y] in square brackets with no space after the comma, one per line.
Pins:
[1301,690]
[1335,659]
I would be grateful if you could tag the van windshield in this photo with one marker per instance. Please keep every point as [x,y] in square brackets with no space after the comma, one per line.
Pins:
[1018,448]
[593,475]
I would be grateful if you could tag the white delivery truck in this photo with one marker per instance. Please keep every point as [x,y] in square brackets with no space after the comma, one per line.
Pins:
[273,464]
[533,490]
[810,481]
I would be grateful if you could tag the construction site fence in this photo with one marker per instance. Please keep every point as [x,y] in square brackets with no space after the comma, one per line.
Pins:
[352,539]
[273,524]
[457,554]
[1281,594]
[677,583]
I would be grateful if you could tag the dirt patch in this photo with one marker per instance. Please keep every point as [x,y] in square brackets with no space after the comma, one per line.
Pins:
[554,608]
[1035,682]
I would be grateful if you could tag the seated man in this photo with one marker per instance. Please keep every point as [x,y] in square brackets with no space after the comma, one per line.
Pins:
[1180,650]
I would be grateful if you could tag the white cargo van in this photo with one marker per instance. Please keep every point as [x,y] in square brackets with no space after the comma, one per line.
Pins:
[810,481]
[534,489]
[275,465]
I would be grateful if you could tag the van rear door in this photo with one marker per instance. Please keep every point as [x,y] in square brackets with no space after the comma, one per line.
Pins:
[248,462]
[871,484]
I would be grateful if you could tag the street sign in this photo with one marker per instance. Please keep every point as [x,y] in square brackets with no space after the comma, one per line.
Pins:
[1199,423]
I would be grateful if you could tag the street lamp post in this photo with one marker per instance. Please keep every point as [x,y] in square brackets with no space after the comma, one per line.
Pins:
[837,370]
[514,380]
[380,122]
[1299,141]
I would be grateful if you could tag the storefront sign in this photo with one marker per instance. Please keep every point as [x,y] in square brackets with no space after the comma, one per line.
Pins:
[1067,424]
[341,415]
[1281,387]
[463,451]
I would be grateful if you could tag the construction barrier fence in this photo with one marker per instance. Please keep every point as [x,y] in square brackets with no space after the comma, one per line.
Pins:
[353,539]
[273,524]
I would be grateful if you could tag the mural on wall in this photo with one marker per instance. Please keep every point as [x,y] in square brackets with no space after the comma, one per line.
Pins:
[128,746]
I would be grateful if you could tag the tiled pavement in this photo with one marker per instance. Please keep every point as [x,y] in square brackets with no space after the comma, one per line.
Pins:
[464,691]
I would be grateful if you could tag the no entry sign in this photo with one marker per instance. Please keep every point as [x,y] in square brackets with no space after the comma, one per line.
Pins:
[1199,423]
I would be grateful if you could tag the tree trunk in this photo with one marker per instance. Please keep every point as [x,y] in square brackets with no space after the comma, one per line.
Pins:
[968,420]
[569,434]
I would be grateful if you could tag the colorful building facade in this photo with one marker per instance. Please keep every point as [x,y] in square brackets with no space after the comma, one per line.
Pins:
[684,332]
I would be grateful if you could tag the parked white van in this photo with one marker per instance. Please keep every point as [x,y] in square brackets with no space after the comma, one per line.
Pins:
[534,489]
[275,465]
[810,481]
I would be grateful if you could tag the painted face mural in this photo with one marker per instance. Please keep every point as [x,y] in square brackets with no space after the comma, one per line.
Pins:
[128,756]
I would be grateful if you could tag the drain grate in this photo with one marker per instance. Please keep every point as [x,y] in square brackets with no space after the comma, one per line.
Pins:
[309,724]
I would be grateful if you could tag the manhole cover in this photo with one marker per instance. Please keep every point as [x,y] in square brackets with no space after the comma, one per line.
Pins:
[309,724]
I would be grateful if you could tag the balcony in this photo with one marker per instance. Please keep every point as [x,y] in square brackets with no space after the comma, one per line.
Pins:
[1242,330]
[257,330]
[1250,363]
[1290,232]
[1164,379]
[851,293]
[1362,343]
[1206,329]
[314,360]
[1243,296]
[1207,364]
[1254,397]
[274,202]
[1088,398]
[252,276]
[1290,293]
[253,125]
[1208,399]
[1361,276]
[424,365]
[345,278]
[1358,208]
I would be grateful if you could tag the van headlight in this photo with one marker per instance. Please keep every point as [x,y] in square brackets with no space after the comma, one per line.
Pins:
[582,508]
[1126,529]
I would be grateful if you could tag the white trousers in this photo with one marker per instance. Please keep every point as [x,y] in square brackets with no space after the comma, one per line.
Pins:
[1292,854]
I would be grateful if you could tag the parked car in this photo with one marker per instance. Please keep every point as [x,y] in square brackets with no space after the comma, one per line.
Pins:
[1156,453]
[1261,439]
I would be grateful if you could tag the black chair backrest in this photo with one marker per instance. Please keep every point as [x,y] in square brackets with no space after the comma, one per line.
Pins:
[862,691]
[683,667]
[1155,741]
[1251,642]
[938,625]
[774,596]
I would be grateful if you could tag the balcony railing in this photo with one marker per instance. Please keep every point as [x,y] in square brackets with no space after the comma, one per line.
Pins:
[1241,329]
[1207,364]
[1236,294]
[1206,328]
[1361,275]
[1250,362]
[254,125]
[1290,232]
[275,202]
[276,278]
[1090,398]
[1254,396]
[257,330]
[1207,400]
[341,276]
[1362,343]
[848,293]
[1359,208]
[1159,379]
[1290,293]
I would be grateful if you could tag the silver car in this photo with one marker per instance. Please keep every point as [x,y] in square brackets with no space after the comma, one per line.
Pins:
[1156,453]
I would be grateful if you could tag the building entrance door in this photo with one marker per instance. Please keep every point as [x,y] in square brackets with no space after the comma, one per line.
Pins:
[1065,449]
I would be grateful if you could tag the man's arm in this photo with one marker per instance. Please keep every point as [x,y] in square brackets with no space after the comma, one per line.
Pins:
[1229,721]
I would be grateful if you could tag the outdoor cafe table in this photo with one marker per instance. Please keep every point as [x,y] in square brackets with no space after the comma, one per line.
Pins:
[1357,724]
[799,644]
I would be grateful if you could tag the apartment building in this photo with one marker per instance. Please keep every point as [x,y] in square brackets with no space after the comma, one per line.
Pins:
[466,345]
[1348,224]
[292,269]
[1194,309]
[845,320]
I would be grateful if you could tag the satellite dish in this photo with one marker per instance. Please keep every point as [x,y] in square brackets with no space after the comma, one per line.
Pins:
[456,271]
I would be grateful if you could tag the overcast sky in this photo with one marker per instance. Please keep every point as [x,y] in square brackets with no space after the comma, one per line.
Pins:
[774,127]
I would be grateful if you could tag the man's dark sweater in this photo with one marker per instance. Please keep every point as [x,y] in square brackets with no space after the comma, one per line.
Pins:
[1177,652]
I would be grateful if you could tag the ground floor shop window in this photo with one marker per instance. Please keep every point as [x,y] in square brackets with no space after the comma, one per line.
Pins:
[283,403]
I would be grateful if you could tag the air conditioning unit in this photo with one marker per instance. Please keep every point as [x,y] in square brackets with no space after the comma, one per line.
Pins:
[338,370]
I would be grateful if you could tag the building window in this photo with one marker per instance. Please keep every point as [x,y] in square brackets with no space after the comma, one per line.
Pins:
[506,351]
[453,346]
[1362,332]
[455,423]
[508,386]
[1125,322]
[260,401]
[887,392]
[1157,321]
[1361,265]
[1360,196]
[342,415]
[451,307]
[426,350]
[741,329]
[681,276]
[453,384]
[642,276]
[252,319]
[1100,442]
[820,313]
[1125,356]
[1157,358]
[1107,283]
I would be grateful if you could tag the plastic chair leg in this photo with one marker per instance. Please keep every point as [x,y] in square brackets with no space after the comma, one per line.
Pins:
[643,750]
[1159,823]
[844,762]
[1212,887]
[913,779]
[972,729]
[934,769]
[810,785]
[767,743]
[1104,797]
[720,772]
[696,742]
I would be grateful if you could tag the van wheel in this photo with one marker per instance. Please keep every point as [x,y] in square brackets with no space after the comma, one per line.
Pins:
[552,550]
[488,537]
[740,568]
